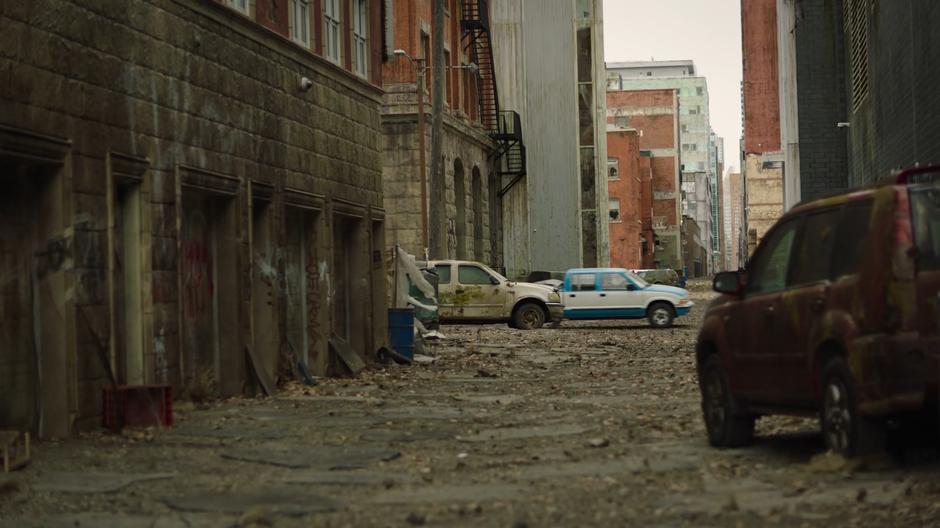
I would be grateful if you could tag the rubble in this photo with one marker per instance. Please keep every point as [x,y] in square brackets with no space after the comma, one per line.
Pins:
[592,424]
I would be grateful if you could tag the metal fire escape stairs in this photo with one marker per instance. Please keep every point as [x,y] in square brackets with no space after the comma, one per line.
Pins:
[504,127]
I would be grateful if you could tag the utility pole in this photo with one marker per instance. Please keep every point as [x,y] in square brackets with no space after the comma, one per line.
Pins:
[437,219]
[421,72]
[422,162]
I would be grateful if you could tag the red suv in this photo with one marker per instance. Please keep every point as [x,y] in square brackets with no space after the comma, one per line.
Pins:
[838,314]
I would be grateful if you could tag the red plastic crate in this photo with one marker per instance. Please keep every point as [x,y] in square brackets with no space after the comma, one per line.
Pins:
[137,406]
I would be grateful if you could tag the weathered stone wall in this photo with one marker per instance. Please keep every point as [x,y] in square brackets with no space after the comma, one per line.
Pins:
[208,102]
[466,146]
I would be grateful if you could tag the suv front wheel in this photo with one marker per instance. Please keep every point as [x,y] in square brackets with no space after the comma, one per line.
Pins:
[844,430]
[727,426]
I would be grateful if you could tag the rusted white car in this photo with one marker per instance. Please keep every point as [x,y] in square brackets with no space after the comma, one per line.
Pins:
[471,292]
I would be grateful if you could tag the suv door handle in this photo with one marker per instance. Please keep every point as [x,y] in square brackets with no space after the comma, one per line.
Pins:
[769,312]
[603,295]
[572,296]
[460,290]
[819,305]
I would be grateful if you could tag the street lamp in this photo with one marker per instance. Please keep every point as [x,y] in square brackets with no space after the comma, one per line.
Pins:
[420,70]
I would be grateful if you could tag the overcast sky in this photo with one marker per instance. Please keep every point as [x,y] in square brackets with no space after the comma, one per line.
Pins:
[705,31]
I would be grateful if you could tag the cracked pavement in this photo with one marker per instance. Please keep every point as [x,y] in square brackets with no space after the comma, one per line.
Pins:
[589,424]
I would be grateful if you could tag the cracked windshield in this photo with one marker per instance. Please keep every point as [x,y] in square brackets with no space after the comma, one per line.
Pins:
[346,263]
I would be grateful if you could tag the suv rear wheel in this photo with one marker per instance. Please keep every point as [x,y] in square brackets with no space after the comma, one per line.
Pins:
[528,316]
[726,424]
[844,430]
[660,315]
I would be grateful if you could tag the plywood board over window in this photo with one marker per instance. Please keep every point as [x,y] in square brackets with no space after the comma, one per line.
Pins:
[129,262]
[264,282]
[35,353]
[209,237]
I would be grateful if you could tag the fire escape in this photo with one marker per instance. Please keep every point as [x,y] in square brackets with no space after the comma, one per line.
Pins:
[504,127]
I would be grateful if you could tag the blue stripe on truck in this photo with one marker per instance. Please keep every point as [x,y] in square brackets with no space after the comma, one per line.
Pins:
[605,313]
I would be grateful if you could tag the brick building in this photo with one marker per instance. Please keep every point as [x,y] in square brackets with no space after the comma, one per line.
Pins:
[471,220]
[764,164]
[654,114]
[630,195]
[696,145]
[193,187]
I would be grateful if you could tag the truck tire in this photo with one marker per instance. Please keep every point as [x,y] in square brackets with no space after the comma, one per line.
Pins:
[660,315]
[528,316]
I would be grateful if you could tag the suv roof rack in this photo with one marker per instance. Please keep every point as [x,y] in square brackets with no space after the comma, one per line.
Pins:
[925,174]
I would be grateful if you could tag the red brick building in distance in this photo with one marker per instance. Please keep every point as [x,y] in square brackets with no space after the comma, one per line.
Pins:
[630,192]
[763,158]
[653,118]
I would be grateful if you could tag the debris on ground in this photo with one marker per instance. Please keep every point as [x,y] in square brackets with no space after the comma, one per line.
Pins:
[593,424]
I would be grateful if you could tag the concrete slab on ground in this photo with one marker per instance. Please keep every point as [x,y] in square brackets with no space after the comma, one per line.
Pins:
[86,482]
[321,457]
[278,501]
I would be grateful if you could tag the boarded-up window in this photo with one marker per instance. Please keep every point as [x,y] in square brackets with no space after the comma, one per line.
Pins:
[856,33]
[613,168]
[613,206]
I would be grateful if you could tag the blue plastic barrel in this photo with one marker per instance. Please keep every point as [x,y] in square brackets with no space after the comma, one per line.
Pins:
[401,331]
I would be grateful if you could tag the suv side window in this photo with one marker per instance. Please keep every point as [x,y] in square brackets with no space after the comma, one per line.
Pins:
[925,207]
[443,273]
[769,273]
[812,260]
[472,275]
[614,281]
[850,237]
[583,282]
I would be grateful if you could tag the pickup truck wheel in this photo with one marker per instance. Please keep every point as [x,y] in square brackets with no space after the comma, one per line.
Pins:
[528,316]
[660,315]
[844,430]
[727,426]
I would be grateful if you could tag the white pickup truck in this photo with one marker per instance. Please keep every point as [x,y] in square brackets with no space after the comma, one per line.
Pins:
[614,293]
[471,292]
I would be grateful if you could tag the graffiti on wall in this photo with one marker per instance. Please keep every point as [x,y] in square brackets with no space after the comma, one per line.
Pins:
[161,364]
[198,285]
